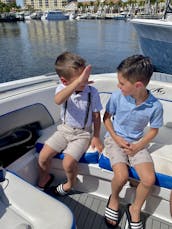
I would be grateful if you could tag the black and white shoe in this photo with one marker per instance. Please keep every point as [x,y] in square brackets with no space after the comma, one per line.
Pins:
[132,225]
[47,185]
[59,191]
[112,215]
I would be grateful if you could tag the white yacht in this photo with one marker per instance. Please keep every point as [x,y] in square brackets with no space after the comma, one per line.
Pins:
[155,37]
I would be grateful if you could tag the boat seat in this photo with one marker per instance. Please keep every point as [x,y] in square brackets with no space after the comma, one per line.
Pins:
[22,206]
[91,156]
[11,217]
[161,151]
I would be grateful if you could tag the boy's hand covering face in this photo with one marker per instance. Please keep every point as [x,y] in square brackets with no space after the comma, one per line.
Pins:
[84,77]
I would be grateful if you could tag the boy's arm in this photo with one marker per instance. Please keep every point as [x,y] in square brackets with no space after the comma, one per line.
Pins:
[147,138]
[65,93]
[109,127]
[82,80]
[96,142]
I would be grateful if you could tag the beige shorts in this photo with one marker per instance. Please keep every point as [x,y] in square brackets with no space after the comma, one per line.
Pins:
[117,155]
[70,140]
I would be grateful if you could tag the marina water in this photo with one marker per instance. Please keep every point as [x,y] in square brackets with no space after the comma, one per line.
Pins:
[30,48]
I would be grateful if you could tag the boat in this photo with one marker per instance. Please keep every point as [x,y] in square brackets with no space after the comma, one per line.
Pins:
[36,15]
[121,16]
[20,16]
[28,117]
[8,17]
[55,15]
[155,38]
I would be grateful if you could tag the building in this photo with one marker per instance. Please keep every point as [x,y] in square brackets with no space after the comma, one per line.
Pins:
[45,5]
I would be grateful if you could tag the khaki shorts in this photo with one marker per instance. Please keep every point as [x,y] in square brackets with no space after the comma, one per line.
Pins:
[70,140]
[117,155]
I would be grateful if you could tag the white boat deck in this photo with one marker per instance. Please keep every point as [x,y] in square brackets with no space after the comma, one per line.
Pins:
[162,77]
[88,212]
[88,209]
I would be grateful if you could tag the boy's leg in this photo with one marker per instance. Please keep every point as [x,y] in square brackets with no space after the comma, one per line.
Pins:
[147,179]
[70,166]
[118,160]
[73,153]
[78,143]
[44,162]
[56,141]
[118,181]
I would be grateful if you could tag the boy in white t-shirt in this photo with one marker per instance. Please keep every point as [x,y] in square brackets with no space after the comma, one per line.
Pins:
[80,109]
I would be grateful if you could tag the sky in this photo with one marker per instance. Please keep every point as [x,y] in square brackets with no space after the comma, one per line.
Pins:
[19,2]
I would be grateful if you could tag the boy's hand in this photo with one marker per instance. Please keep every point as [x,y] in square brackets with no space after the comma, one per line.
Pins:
[96,143]
[122,142]
[83,78]
[132,150]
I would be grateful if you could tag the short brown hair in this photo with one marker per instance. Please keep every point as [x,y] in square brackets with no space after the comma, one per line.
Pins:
[68,63]
[136,68]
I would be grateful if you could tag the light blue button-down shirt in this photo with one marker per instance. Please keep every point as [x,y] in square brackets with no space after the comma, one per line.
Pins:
[77,106]
[130,119]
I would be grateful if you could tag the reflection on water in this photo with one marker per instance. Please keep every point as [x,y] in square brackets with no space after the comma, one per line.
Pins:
[30,49]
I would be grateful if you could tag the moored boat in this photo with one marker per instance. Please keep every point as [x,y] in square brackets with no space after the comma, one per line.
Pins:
[54,15]
[155,37]
[8,17]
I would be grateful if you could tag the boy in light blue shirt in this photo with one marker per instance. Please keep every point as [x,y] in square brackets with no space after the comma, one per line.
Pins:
[132,107]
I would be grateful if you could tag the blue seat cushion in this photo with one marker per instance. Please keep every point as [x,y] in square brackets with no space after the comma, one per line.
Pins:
[162,180]
[88,157]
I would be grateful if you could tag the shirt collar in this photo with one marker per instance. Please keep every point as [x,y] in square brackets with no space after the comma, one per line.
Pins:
[86,90]
[80,94]
[148,102]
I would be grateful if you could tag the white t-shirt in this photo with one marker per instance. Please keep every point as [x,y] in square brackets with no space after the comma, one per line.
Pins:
[77,104]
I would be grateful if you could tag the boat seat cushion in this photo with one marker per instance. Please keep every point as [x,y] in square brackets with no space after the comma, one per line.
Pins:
[161,151]
[162,158]
[91,156]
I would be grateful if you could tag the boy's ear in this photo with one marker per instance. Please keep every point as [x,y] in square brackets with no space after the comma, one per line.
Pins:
[139,84]
[63,80]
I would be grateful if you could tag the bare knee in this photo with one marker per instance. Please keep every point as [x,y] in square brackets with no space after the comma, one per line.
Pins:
[148,181]
[46,155]
[146,174]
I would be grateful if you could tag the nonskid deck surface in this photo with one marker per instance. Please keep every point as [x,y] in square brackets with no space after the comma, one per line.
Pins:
[162,77]
[88,211]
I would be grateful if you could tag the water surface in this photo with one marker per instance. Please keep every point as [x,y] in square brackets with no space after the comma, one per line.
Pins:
[30,48]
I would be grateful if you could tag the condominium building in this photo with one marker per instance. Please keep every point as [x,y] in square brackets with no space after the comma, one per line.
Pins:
[45,5]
